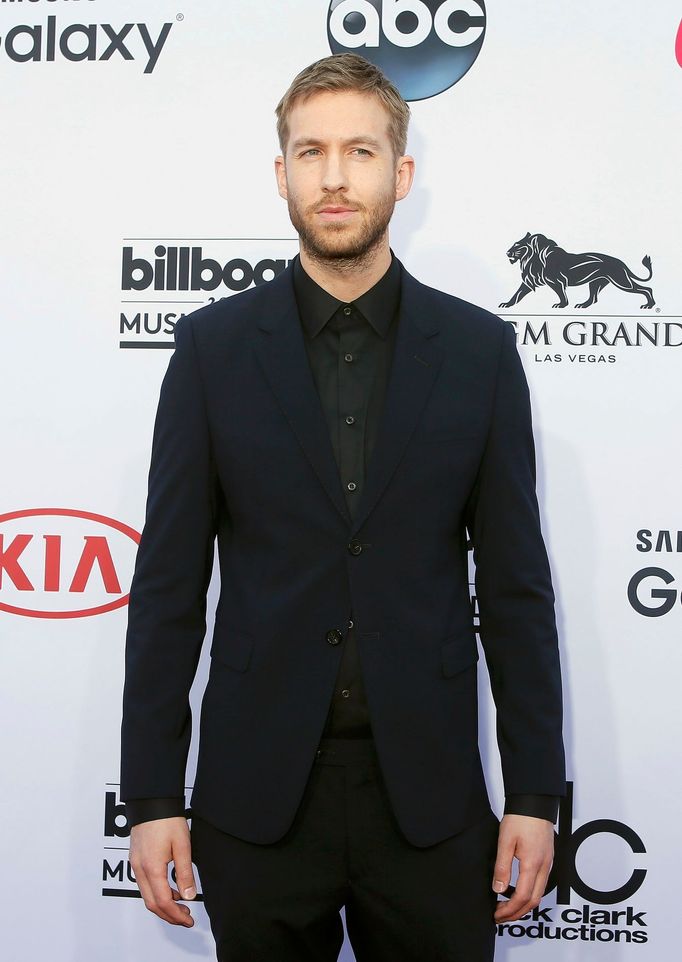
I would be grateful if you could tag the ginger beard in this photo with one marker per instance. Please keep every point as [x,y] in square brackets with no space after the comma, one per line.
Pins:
[345,244]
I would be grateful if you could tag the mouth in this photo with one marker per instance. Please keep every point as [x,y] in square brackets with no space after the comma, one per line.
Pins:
[334,214]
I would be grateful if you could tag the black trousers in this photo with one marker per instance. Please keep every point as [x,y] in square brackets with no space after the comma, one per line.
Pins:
[281,902]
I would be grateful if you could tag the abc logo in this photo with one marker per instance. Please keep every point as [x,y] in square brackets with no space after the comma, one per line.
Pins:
[424,46]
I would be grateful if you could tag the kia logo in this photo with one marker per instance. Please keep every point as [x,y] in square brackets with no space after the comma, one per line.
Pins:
[64,563]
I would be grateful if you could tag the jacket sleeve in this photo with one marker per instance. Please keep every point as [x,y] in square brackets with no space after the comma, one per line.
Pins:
[537,806]
[514,591]
[167,607]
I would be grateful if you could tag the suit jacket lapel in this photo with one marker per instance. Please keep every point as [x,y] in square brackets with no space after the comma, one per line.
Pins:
[416,360]
[282,354]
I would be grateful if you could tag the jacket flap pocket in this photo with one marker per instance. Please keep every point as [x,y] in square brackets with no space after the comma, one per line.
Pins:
[232,646]
[445,434]
[458,652]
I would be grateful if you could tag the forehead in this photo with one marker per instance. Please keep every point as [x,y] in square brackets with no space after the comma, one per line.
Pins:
[342,114]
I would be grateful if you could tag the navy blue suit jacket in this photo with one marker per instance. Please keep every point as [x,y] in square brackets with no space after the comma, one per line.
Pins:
[241,452]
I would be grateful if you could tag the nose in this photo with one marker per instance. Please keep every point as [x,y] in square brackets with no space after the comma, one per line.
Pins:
[334,177]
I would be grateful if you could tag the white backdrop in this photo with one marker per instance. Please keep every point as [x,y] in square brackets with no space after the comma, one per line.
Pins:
[568,124]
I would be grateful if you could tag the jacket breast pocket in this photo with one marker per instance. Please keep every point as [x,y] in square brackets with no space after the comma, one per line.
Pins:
[436,445]
[444,434]
[458,652]
[232,646]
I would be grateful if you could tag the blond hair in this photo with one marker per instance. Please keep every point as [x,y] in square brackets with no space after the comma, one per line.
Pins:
[346,71]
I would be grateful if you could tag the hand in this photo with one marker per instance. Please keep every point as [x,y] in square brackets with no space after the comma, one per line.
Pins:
[531,840]
[153,845]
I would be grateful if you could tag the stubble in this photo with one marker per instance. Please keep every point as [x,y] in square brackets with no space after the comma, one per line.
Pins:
[342,247]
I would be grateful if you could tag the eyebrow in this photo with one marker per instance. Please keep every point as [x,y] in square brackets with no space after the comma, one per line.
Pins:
[313,142]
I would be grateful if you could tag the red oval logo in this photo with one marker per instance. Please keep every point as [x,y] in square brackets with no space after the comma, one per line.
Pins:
[64,563]
[678,44]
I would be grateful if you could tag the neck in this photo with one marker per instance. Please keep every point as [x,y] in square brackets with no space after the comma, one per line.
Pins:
[349,278]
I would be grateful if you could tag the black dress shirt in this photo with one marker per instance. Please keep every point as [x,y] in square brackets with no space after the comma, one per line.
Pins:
[350,349]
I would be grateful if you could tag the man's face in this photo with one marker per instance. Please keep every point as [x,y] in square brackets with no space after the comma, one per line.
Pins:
[340,177]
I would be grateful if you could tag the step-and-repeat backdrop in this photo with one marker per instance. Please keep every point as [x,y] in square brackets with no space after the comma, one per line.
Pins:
[137,184]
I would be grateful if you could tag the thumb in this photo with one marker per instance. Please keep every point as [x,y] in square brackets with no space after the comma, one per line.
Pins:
[184,875]
[503,865]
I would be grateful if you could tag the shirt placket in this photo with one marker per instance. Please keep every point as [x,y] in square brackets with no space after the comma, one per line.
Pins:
[352,403]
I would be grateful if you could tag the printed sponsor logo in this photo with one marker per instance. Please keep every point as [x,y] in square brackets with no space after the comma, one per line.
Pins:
[592,920]
[424,46]
[118,878]
[544,266]
[543,262]
[162,279]
[64,563]
[51,41]
[654,591]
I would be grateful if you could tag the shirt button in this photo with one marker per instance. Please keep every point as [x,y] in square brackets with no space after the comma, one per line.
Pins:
[345,693]
[347,311]
[348,357]
[350,419]
[351,485]
[350,623]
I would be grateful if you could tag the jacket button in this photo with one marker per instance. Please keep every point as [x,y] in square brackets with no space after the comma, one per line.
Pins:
[333,636]
[354,546]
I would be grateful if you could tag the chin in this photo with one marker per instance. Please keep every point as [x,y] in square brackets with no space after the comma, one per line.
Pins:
[343,247]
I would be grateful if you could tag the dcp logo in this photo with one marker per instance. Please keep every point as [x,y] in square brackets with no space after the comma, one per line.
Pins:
[424,46]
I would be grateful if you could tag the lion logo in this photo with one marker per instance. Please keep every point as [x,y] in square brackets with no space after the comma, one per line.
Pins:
[544,262]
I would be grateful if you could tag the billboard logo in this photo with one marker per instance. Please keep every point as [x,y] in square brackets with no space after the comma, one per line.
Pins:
[164,278]
[424,46]
[118,877]
[186,269]
[64,563]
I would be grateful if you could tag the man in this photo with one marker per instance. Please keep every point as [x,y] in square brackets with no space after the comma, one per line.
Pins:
[339,430]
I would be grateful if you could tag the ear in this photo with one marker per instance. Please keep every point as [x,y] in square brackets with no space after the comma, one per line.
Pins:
[281,175]
[404,176]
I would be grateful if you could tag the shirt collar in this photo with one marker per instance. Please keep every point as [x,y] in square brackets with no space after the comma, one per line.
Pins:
[378,305]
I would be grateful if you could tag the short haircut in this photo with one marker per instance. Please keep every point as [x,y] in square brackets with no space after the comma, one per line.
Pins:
[346,71]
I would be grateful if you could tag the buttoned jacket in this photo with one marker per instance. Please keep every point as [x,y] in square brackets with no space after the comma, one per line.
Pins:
[242,458]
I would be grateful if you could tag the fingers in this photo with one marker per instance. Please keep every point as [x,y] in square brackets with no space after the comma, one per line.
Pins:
[522,900]
[161,902]
[540,884]
[506,846]
[153,846]
[184,875]
[531,841]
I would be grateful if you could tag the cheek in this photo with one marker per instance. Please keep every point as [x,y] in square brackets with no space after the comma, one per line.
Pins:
[303,188]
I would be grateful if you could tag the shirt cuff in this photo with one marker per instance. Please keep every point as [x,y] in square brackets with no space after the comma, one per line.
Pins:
[538,806]
[147,809]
